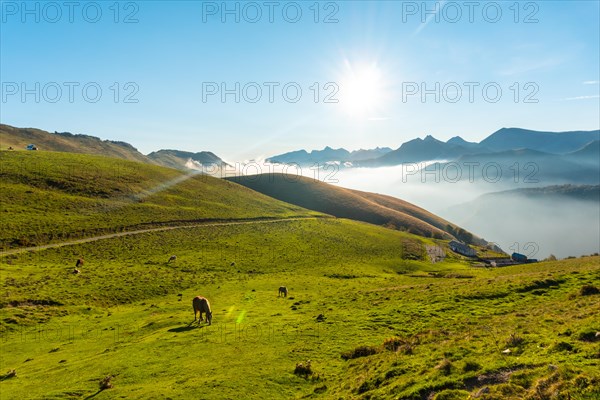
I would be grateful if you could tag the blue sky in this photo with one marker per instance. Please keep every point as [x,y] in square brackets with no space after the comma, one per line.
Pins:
[376,56]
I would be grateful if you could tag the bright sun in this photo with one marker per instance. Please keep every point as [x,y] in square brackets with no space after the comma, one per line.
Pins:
[361,90]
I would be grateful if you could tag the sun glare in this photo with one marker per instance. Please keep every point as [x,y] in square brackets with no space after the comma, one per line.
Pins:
[361,90]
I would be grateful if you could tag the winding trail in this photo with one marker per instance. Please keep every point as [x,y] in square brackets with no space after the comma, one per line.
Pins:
[137,232]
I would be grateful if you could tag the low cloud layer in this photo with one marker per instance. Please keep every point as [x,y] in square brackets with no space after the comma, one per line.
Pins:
[536,227]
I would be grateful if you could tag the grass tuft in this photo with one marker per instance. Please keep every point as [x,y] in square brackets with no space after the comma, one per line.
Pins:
[397,344]
[514,340]
[445,366]
[360,351]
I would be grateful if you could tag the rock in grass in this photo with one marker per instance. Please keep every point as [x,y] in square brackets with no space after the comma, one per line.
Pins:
[10,374]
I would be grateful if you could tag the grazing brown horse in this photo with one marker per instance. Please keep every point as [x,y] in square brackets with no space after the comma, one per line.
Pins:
[79,263]
[202,305]
[282,291]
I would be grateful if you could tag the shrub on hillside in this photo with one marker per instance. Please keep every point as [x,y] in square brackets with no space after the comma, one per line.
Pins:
[452,394]
[471,366]
[588,290]
[589,335]
[514,340]
[563,346]
[397,344]
[360,351]
[445,366]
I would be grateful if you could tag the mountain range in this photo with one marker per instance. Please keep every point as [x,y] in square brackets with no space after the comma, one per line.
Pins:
[427,149]
[304,158]
[548,142]
[508,155]
[548,157]
[430,149]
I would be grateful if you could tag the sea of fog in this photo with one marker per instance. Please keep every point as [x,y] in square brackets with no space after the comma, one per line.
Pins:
[535,227]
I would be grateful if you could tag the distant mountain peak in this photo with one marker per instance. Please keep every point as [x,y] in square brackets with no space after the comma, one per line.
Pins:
[328,154]
[179,159]
[458,141]
[549,142]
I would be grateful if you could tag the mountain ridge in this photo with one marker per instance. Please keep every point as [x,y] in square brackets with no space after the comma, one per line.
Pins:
[575,148]
[328,154]
[502,140]
[368,207]
[178,158]
[19,138]
[549,142]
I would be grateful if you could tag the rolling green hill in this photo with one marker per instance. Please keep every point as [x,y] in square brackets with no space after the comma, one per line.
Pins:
[353,204]
[49,196]
[19,138]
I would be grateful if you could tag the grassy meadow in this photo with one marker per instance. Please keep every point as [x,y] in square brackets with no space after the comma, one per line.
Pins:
[368,315]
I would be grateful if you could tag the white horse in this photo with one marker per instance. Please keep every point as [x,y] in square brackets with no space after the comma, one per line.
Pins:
[202,305]
[282,291]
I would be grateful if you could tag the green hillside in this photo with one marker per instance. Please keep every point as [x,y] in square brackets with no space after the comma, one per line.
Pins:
[47,197]
[19,138]
[353,204]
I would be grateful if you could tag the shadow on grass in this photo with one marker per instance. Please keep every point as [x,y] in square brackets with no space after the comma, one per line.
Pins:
[189,327]
[93,395]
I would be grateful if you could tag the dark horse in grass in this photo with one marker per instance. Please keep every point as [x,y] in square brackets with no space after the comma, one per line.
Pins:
[202,305]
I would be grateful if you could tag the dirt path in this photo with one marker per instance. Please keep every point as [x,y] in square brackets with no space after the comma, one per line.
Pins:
[137,232]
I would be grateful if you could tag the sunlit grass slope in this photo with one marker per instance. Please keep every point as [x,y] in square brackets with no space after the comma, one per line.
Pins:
[19,138]
[50,196]
[353,204]
[352,286]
